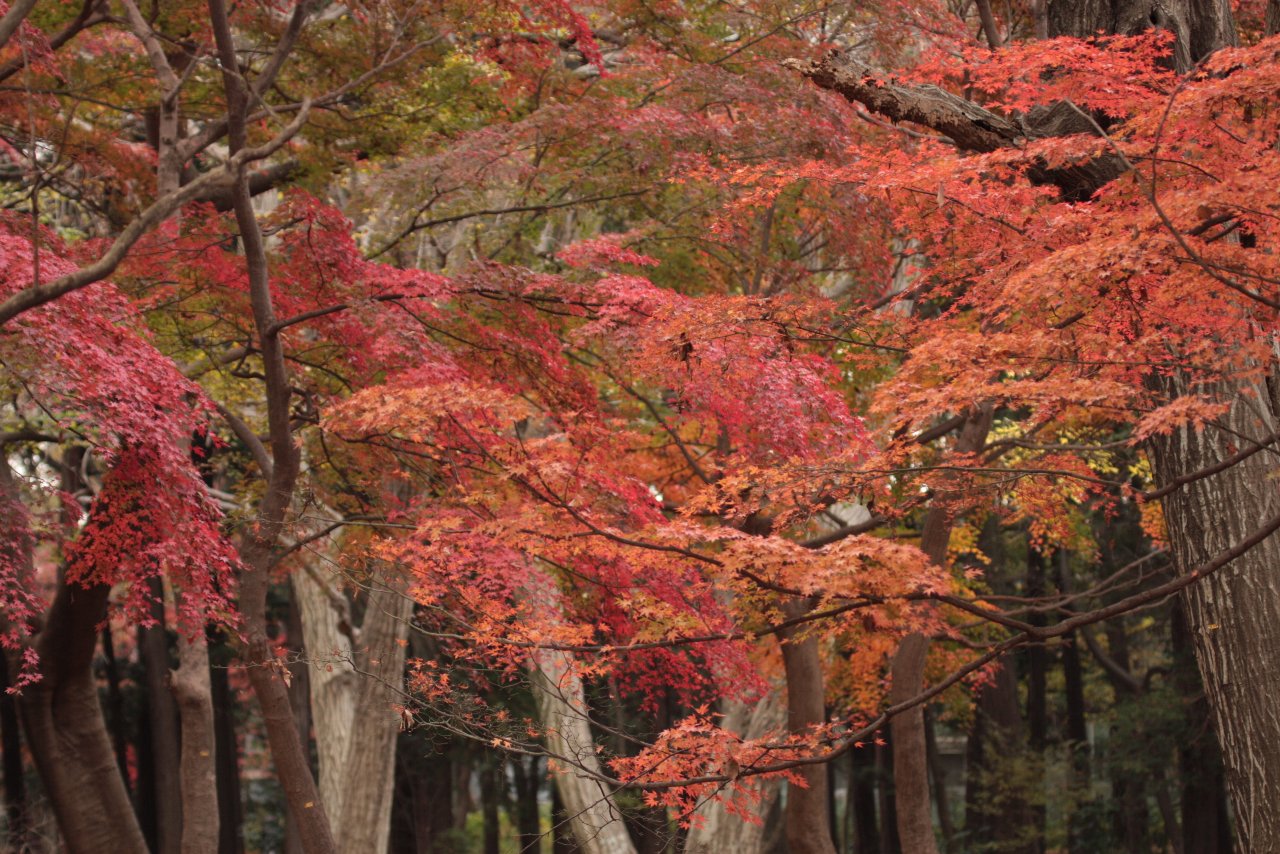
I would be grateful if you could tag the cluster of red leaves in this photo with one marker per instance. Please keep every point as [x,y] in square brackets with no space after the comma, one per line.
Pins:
[84,367]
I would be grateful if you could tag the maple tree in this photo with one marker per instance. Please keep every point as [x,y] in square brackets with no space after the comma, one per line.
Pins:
[554,354]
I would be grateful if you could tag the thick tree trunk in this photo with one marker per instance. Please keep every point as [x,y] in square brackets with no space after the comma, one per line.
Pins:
[62,719]
[353,689]
[722,830]
[808,823]
[67,733]
[590,811]
[1233,615]
[365,823]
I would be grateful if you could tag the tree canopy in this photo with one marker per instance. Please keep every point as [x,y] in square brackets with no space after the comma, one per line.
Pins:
[700,397]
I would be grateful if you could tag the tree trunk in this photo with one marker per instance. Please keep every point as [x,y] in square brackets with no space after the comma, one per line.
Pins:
[353,689]
[808,825]
[1233,615]
[910,758]
[589,806]
[1205,827]
[67,733]
[590,810]
[62,719]
[862,800]
[365,823]
[193,692]
[910,755]
[226,756]
[528,824]
[997,813]
[722,830]
[163,716]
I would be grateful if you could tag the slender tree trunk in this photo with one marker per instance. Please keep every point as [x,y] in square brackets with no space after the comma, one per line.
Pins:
[300,699]
[910,764]
[997,812]
[115,705]
[937,775]
[199,778]
[226,757]
[15,789]
[163,716]
[489,806]
[1204,816]
[887,800]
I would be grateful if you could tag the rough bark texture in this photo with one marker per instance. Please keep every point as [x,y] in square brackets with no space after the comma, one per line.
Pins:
[199,779]
[1234,615]
[326,632]
[721,830]
[1201,26]
[365,823]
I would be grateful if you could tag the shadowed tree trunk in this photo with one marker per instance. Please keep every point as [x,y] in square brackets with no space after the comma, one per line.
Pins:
[226,755]
[862,800]
[163,716]
[524,775]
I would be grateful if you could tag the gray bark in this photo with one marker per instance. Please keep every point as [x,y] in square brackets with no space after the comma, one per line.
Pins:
[199,779]
[593,816]
[353,689]
[721,830]
[1234,615]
